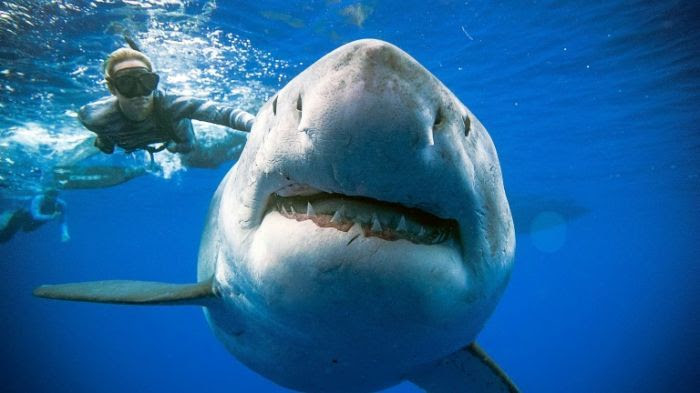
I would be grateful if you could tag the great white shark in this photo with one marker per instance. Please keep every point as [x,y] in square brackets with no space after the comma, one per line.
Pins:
[362,239]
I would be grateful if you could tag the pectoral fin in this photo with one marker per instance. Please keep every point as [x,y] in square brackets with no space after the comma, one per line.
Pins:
[131,292]
[468,370]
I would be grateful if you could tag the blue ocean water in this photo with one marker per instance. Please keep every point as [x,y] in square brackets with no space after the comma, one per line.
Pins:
[592,107]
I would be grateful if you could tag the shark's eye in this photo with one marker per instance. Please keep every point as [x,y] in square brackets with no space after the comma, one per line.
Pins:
[274,106]
[467,125]
[299,103]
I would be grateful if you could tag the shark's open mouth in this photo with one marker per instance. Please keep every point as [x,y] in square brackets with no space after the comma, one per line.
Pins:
[388,221]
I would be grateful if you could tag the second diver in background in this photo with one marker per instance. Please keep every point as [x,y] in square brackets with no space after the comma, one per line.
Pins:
[43,208]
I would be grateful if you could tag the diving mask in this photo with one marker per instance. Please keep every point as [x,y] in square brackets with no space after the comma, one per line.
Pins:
[134,82]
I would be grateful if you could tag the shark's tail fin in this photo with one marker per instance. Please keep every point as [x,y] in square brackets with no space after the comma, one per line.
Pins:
[131,292]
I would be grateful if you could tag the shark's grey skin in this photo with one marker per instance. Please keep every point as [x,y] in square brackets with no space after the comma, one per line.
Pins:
[299,300]
[362,239]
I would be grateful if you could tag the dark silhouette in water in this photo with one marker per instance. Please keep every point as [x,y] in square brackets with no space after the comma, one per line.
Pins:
[527,208]
[43,208]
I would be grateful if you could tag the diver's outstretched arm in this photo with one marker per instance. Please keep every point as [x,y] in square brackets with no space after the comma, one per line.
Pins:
[211,112]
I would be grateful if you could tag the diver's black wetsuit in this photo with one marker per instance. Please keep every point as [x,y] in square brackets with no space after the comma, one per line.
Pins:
[169,121]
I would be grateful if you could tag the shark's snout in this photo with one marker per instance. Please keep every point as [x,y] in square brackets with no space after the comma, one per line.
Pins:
[379,90]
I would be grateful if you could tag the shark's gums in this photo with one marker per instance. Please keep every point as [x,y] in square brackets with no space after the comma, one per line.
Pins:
[362,239]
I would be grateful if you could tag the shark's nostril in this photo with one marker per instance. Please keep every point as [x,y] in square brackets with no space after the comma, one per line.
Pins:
[438,118]
[274,106]
[299,103]
[437,123]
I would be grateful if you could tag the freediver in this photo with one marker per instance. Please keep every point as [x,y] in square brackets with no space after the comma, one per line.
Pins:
[138,115]
[43,208]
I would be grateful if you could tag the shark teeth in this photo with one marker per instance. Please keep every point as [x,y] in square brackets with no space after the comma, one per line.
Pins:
[337,216]
[376,226]
[375,218]
[401,226]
